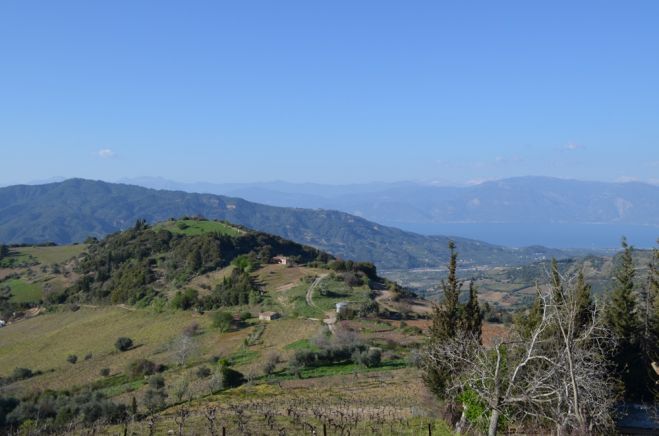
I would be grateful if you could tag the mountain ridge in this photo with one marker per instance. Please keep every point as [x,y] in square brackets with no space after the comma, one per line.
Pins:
[536,199]
[72,210]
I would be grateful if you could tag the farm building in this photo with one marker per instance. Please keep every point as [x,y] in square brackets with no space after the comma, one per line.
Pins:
[269,316]
[341,307]
[281,260]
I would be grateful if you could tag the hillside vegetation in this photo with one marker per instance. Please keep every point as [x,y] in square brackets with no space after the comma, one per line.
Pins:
[73,210]
[159,320]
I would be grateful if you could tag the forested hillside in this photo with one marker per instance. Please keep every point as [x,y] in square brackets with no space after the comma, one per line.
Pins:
[75,209]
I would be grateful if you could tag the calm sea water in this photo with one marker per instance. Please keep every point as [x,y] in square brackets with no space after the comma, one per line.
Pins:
[595,236]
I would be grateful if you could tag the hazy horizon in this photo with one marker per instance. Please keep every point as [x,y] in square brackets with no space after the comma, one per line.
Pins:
[329,93]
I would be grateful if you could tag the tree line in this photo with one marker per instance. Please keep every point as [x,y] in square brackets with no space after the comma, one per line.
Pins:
[564,365]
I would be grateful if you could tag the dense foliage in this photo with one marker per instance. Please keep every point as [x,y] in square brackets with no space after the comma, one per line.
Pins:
[123,267]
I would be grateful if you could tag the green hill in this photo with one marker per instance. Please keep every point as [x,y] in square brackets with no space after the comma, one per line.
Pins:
[188,294]
[75,209]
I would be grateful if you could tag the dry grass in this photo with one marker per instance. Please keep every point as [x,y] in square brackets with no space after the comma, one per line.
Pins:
[52,255]
[44,342]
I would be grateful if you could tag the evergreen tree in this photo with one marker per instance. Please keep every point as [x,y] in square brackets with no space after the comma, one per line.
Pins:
[447,314]
[556,282]
[445,321]
[527,321]
[654,297]
[583,301]
[623,319]
[4,251]
[472,319]
[651,321]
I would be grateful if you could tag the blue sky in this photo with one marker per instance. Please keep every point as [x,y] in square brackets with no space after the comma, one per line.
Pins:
[329,92]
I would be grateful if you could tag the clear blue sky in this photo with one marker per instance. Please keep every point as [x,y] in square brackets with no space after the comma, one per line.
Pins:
[329,91]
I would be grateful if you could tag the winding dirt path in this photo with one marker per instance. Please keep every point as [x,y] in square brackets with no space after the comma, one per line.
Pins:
[314,285]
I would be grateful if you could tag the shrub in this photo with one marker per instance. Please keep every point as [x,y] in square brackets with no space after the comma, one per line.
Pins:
[226,378]
[156,382]
[222,321]
[203,372]
[105,372]
[123,344]
[22,373]
[72,358]
[244,316]
[155,395]
[192,330]
[185,300]
[270,364]
[369,358]
[141,367]
[88,356]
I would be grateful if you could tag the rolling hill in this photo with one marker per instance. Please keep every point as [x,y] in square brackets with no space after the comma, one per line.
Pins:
[72,359]
[72,210]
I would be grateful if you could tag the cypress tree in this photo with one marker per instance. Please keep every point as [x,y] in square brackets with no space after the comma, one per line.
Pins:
[445,320]
[621,313]
[447,314]
[472,318]
[651,324]
[528,320]
[583,301]
[558,294]
[622,318]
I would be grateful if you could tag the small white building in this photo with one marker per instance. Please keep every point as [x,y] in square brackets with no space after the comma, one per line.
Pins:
[281,260]
[341,307]
[269,316]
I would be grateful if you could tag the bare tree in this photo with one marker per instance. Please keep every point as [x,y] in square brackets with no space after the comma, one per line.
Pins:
[184,348]
[555,372]
[210,413]
[181,417]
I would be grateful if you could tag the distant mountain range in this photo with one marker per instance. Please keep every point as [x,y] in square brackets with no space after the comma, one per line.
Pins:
[508,212]
[536,200]
[74,209]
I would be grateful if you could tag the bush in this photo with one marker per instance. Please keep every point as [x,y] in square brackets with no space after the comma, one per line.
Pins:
[244,316]
[142,367]
[105,372]
[123,344]
[231,378]
[72,358]
[203,372]
[156,382]
[192,330]
[270,364]
[222,321]
[88,356]
[369,358]
[155,395]
[22,373]
[185,300]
